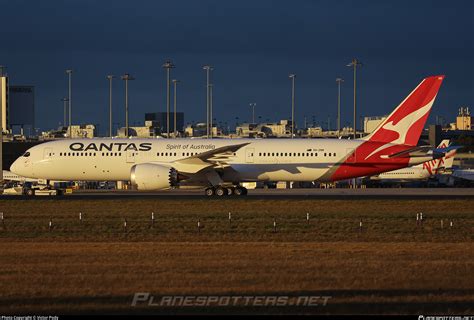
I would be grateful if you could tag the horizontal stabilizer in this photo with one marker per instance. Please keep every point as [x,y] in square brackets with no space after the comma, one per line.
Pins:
[420,151]
[446,150]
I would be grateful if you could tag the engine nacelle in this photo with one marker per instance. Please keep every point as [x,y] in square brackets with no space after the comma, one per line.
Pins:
[149,176]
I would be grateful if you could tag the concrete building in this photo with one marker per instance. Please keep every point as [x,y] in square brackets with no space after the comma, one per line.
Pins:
[59,133]
[200,130]
[280,129]
[264,130]
[315,132]
[149,130]
[82,131]
[464,119]
[21,109]
[160,119]
[318,132]
[371,123]
[247,130]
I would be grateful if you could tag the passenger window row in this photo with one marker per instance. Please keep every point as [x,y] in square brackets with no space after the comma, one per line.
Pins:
[174,154]
[294,154]
[89,154]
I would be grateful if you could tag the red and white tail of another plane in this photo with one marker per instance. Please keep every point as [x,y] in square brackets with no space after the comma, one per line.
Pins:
[421,171]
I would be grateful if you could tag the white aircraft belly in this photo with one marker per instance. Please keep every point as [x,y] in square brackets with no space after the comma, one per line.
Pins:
[280,172]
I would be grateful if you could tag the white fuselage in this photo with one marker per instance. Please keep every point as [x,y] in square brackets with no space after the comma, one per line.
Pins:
[273,160]
[259,160]
[405,174]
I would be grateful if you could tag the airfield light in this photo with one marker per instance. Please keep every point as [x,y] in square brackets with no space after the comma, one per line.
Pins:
[175,82]
[208,69]
[168,65]
[110,77]
[292,77]
[69,73]
[339,81]
[354,64]
[126,77]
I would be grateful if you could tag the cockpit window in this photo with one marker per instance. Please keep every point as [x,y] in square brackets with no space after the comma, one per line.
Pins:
[26,154]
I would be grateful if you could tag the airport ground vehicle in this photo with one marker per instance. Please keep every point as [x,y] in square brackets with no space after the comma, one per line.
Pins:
[31,189]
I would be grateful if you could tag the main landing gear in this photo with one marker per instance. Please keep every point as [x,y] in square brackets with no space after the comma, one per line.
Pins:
[225,191]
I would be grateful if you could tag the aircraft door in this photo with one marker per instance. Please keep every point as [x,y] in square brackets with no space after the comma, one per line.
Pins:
[130,156]
[47,153]
[249,155]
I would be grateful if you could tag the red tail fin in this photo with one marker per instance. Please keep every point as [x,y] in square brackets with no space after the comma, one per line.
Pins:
[405,123]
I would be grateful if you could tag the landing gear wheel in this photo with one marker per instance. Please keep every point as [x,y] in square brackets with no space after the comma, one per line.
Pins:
[239,191]
[220,191]
[209,192]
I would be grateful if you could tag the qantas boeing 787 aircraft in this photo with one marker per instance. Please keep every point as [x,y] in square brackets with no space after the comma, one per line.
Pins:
[221,164]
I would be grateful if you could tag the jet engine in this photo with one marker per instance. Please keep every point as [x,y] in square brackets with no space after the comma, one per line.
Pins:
[149,176]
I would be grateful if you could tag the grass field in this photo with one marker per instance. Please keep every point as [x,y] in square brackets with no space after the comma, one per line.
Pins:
[391,265]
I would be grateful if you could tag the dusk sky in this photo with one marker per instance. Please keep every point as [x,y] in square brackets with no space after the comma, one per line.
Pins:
[253,46]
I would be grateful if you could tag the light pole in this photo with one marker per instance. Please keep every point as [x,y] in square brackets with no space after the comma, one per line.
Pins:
[354,64]
[292,77]
[208,69]
[175,82]
[65,100]
[252,105]
[69,73]
[339,81]
[126,77]
[168,65]
[211,122]
[110,77]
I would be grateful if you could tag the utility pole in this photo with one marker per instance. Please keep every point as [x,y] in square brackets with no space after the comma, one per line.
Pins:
[292,77]
[252,105]
[126,77]
[168,65]
[69,73]
[211,119]
[339,81]
[354,64]
[65,100]
[208,69]
[175,82]
[110,77]
[3,96]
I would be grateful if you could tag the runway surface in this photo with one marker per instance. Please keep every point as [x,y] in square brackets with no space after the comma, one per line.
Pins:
[352,194]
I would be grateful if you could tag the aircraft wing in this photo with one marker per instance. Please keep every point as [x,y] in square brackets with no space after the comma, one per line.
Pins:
[213,158]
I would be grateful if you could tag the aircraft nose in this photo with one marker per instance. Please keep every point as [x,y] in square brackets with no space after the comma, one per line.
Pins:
[18,167]
[14,167]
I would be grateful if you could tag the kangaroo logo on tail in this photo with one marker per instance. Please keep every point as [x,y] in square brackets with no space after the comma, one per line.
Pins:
[405,123]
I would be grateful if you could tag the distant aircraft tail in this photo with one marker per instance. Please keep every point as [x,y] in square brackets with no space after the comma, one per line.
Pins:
[405,123]
[445,162]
